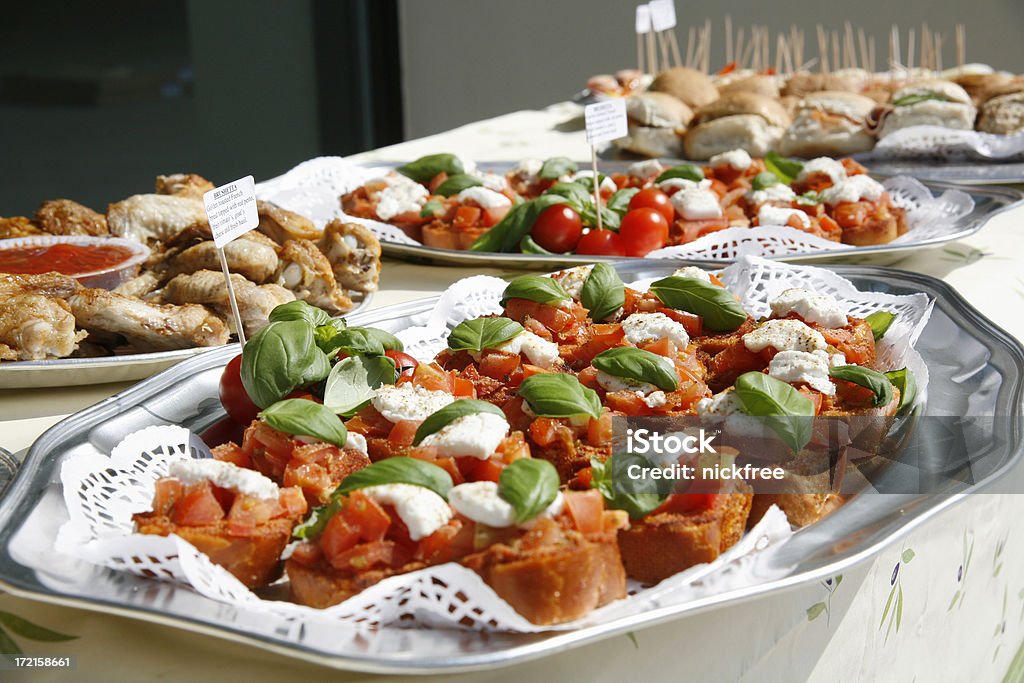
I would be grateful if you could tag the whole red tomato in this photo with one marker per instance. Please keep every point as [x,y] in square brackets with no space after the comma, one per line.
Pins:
[643,230]
[653,198]
[601,243]
[232,394]
[557,228]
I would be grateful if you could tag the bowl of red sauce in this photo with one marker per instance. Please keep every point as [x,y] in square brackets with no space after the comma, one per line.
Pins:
[100,262]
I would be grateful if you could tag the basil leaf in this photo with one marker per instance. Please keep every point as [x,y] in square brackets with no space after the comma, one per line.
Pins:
[719,310]
[457,183]
[543,290]
[354,380]
[398,470]
[299,310]
[360,341]
[434,207]
[389,341]
[603,292]
[556,167]
[639,365]
[917,98]
[302,417]
[530,246]
[786,169]
[764,180]
[809,198]
[529,485]
[553,394]
[619,202]
[317,521]
[507,234]
[482,333]
[685,171]
[324,334]
[878,383]
[437,421]
[610,220]
[280,358]
[880,322]
[786,410]
[425,168]
[903,379]
[576,194]
[637,505]
[587,182]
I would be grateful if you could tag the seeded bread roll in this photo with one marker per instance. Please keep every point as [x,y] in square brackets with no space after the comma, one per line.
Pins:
[1002,115]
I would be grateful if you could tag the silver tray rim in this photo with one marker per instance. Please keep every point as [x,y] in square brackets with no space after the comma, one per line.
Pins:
[18,500]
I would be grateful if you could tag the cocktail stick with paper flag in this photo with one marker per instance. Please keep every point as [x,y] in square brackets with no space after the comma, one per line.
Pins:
[231,211]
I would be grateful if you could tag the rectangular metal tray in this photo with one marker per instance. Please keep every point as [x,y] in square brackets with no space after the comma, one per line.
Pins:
[976,369]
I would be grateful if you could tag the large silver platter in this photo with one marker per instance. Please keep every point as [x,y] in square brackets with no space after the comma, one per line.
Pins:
[976,369]
[958,172]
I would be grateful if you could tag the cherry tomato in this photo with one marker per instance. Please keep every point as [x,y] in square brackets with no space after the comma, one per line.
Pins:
[601,243]
[557,228]
[643,230]
[232,394]
[405,363]
[653,198]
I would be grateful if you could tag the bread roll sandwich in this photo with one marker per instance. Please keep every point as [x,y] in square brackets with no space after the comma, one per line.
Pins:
[694,88]
[656,123]
[1003,114]
[829,123]
[740,120]
[929,103]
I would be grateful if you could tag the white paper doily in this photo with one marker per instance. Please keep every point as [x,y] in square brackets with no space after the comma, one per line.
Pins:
[936,142]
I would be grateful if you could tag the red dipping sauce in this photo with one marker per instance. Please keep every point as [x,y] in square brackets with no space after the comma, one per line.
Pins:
[69,259]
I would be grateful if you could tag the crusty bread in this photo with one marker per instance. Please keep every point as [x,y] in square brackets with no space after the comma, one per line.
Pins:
[829,123]
[652,142]
[320,585]
[658,110]
[689,85]
[1003,114]
[766,86]
[771,110]
[805,83]
[747,131]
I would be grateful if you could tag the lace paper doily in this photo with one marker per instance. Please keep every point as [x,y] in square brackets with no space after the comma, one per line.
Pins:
[949,144]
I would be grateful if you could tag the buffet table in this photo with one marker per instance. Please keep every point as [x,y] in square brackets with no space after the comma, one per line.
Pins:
[959,577]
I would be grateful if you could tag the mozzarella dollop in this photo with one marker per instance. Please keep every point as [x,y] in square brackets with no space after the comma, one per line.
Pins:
[610,382]
[648,168]
[226,475]
[773,215]
[696,204]
[402,195]
[538,351]
[528,169]
[683,184]
[422,510]
[477,435]
[774,193]
[409,402]
[693,272]
[811,306]
[573,279]
[830,167]
[800,366]
[656,399]
[356,442]
[784,335]
[493,181]
[736,158]
[853,190]
[480,502]
[484,198]
[723,404]
[641,328]
[607,184]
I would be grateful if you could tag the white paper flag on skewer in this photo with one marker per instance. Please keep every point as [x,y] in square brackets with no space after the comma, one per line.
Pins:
[606,121]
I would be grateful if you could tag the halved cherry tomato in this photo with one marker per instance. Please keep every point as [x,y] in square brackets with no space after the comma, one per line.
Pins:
[643,230]
[653,198]
[585,508]
[233,396]
[601,243]
[558,228]
[404,363]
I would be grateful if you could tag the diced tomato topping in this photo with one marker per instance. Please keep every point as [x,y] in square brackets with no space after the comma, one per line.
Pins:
[599,431]
[337,539]
[366,555]
[499,365]
[585,508]
[551,317]
[369,422]
[475,469]
[437,181]
[626,402]
[232,453]
[292,502]
[248,513]
[438,547]
[544,431]
[365,516]
[467,216]
[682,503]
[402,433]
[307,553]
[662,347]
[431,376]
[313,479]
[167,491]
[463,388]
[197,507]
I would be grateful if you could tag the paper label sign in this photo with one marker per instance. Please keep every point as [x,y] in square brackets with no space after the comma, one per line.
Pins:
[231,210]
[643,19]
[605,121]
[663,14]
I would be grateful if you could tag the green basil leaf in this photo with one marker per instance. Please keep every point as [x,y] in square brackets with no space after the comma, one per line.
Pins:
[788,412]
[317,521]
[425,168]
[389,341]
[530,246]
[639,365]
[809,198]
[786,169]
[509,232]
[603,292]
[354,380]
[553,394]
[482,333]
[587,182]
[437,421]
[299,310]
[434,207]
[764,180]
[398,470]
[302,417]
[280,358]
[323,335]
[917,98]
[576,194]
[610,220]
[878,383]
[360,341]
[539,288]
[619,202]
[457,183]
[903,379]
[719,310]
[684,171]
[880,322]
[556,167]
[529,485]
[637,505]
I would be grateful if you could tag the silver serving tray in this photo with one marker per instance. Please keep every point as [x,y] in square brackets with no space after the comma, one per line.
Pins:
[988,201]
[995,172]
[72,372]
[976,369]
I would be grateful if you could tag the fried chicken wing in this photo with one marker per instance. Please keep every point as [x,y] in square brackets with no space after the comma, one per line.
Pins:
[282,225]
[306,271]
[150,218]
[47,284]
[255,302]
[183,185]
[65,217]
[354,253]
[140,285]
[248,256]
[37,327]
[148,326]
[17,226]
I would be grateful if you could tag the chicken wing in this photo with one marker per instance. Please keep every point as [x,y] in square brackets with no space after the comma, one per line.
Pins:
[354,253]
[65,217]
[17,226]
[140,285]
[37,327]
[47,284]
[255,302]
[183,185]
[306,271]
[150,218]
[147,326]
[282,225]
[248,256]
